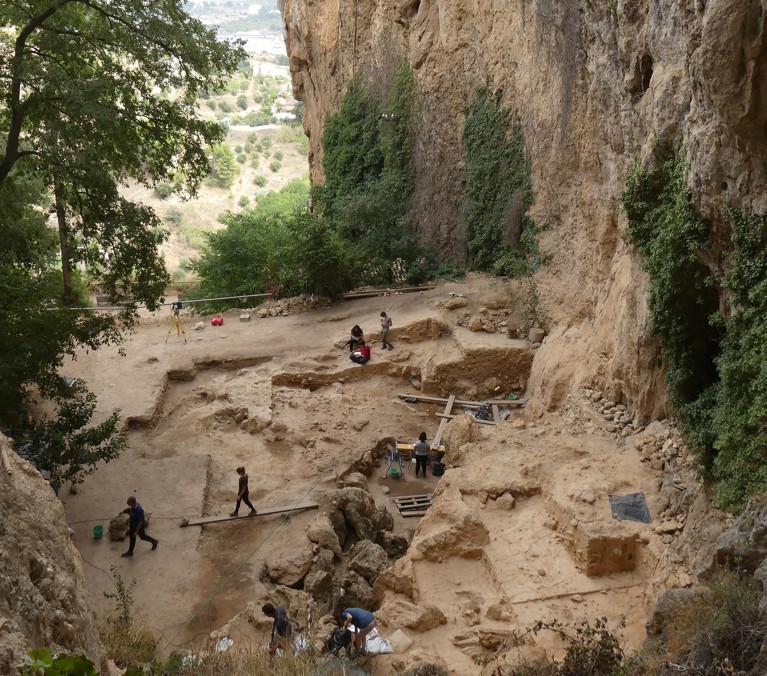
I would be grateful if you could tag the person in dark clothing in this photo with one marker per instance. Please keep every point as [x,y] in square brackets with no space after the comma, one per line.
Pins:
[363,621]
[242,494]
[422,448]
[356,338]
[361,355]
[137,526]
[281,628]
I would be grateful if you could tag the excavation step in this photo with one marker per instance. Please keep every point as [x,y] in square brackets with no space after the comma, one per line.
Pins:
[261,512]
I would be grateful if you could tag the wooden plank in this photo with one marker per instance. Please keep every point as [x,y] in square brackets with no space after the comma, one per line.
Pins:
[514,403]
[496,414]
[419,505]
[440,432]
[410,514]
[449,405]
[413,503]
[411,447]
[371,293]
[262,512]
[427,496]
[450,417]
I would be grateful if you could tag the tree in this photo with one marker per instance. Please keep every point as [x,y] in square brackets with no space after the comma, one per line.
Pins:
[83,109]
[224,167]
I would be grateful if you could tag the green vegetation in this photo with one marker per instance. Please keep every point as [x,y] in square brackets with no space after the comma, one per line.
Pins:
[716,368]
[275,246]
[369,181]
[223,164]
[275,166]
[497,191]
[259,179]
[70,134]
[163,190]
[360,220]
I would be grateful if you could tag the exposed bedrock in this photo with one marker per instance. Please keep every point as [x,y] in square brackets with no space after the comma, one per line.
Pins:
[593,84]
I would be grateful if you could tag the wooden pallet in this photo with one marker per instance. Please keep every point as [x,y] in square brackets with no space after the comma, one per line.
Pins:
[413,505]
[261,512]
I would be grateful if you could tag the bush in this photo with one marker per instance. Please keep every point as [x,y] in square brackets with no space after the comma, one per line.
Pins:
[248,148]
[275,166]
[243,202]
[224,167]
[242,101]
[225,106]
[174,216]
[279,156]
[163,190]
[260,180]
[252,137]
[242,158]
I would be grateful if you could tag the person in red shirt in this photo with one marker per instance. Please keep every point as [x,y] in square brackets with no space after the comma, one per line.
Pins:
[362,354]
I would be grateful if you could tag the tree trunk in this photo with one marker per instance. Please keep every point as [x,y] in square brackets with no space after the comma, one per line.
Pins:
[66,272]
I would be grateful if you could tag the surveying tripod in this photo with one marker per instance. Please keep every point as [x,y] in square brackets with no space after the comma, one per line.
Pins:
[175,322]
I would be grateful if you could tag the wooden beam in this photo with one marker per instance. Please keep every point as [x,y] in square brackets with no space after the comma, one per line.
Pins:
[440,431]
[262,512]
[496,414]
[481,422]
[515,403]
[372,293]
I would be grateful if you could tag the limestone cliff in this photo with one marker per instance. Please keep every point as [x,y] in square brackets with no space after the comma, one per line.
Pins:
[593,84]
[43,602]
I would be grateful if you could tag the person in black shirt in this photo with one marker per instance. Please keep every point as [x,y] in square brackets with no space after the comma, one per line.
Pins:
[242,494]
[137,526]
[281,629]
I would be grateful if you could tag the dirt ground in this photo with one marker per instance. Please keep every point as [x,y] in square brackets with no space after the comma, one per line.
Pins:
[279,396]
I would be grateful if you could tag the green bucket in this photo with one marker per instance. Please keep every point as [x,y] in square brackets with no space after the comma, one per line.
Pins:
[98,531]
[394,473]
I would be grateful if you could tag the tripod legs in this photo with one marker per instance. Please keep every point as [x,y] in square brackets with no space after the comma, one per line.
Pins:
[175,322]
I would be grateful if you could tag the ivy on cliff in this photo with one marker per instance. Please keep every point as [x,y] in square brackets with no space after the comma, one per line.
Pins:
[497,190]
[370,179]
[716,362]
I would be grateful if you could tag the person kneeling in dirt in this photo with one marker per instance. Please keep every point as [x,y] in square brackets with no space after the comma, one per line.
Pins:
[361,355]
[363,621]
[281,628]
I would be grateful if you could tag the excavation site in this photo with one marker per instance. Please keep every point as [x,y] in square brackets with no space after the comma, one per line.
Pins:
[518,529]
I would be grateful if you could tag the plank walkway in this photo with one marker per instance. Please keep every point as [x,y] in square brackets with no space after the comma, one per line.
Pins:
[413,505]
[202,521]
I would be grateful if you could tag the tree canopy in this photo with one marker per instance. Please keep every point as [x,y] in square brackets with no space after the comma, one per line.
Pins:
[93,94]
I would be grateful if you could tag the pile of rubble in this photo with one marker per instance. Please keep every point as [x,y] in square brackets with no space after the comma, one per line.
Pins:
[489,321]
[619,419]
[291,306]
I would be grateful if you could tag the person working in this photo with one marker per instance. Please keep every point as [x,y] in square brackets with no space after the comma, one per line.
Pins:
[137,526]
[356,338]
[362,354]
[242,493]
[281,628]
[363,622]
[385,326]
[421,448]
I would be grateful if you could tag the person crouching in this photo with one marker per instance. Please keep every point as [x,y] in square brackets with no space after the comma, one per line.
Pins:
[362,354]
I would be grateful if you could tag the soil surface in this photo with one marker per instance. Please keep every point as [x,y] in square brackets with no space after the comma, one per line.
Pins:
[280,396]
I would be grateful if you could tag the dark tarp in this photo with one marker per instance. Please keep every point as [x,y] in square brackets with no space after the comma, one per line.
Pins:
[631,507]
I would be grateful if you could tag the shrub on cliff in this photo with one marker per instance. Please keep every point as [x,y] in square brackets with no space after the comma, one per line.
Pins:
[716,363]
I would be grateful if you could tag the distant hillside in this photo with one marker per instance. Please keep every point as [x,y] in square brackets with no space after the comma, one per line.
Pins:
[238,16]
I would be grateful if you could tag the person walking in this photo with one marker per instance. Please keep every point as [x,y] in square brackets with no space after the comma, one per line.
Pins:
[137,526]
[242,494]
[385,326]
[281,627]
[422,449]
[363,622]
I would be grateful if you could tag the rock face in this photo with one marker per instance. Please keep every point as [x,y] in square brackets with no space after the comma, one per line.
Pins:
[593,84]
[42,595]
